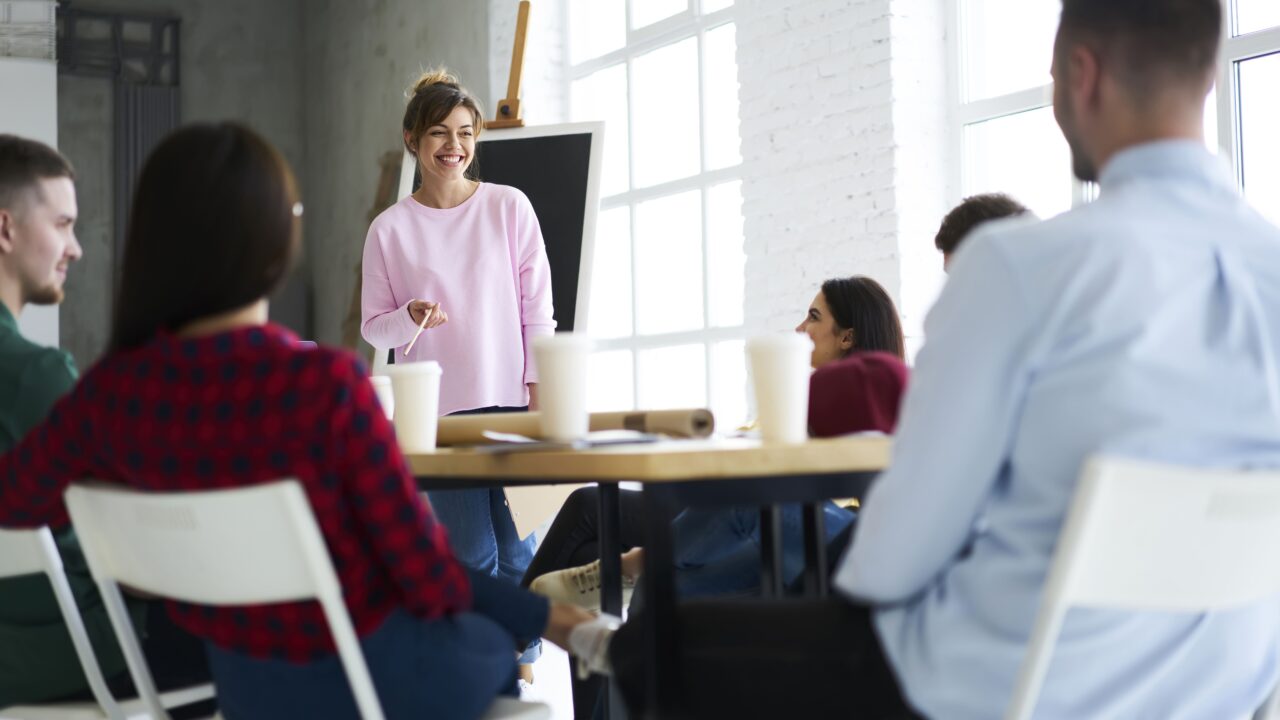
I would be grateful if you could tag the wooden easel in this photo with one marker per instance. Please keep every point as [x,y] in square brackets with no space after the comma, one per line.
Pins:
[510,114]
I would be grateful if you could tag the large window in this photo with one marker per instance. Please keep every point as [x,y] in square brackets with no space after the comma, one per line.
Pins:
[1248,106]
[1006,133]
[1008,139]
[667,286]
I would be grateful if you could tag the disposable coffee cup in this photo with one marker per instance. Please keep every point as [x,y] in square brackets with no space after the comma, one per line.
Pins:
[780,377]
[415,389]
[562,361]
[386,398]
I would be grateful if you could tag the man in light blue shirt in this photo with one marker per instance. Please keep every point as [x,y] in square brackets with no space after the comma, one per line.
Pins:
[1145,324]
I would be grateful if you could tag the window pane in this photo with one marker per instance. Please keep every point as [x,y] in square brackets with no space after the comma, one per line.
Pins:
[610,312]
[1259,141]
[726,260]
[729,384]
[672,377]
[595,28]
[1024,155]
[710,6]
[720,87]
[603,96]
[669,264]
[1007,45]
[665,96]
[648,12]
[610,382]
[1254,15]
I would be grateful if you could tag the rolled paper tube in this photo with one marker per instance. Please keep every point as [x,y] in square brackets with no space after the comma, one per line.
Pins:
[469,429]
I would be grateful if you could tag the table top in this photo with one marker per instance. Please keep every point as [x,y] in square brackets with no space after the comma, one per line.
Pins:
[668,460]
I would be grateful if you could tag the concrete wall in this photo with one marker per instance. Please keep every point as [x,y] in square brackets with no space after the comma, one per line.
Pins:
[360,57]
[240,60]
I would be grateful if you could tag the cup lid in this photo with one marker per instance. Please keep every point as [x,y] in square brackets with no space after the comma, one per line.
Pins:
[780,341]
[565,341]
[425,367]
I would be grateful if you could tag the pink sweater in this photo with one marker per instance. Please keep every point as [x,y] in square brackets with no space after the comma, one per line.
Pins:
[485,263]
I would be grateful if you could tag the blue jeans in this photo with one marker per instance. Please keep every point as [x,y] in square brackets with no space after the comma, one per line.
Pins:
[718,551]
[482,533]
[450,668]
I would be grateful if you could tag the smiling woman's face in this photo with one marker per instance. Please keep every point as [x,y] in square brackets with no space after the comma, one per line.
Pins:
[830,341]
[446,150]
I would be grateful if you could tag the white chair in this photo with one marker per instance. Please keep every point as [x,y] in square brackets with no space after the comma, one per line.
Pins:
[27,552]
[196,547]
[1131,533]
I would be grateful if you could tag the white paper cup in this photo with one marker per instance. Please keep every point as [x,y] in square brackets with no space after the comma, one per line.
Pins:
[415,389]
[780,377]
[562,361]
[386,398]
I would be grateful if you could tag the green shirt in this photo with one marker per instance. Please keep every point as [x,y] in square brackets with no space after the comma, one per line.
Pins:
[37,660]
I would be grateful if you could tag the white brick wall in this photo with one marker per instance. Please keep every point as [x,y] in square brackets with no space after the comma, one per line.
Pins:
[543,93]
[818,150]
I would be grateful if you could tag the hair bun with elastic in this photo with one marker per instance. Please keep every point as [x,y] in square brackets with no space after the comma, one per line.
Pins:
[438,76]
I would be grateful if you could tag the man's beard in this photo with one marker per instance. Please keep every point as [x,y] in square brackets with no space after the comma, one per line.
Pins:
[47,295]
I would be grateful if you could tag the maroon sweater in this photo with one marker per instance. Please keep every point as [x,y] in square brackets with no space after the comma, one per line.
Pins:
[861,392]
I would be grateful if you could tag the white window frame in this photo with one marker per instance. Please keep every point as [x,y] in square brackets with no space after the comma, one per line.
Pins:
[1235,49]
[679,27]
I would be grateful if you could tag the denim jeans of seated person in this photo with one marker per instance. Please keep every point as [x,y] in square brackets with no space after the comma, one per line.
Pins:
[482,533]
[718,551]
[445,669]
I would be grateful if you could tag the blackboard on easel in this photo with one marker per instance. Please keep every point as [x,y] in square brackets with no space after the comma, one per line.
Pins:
[558,168]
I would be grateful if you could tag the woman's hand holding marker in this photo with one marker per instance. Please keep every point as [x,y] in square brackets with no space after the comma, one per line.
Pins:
[419,310]
[432,316]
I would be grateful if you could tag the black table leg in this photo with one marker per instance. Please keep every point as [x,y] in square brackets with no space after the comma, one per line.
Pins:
[610,570]
[610,551]
[815,551]
[663,659]
[770,551]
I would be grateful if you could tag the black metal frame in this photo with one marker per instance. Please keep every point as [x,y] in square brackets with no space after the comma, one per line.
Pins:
[662,502]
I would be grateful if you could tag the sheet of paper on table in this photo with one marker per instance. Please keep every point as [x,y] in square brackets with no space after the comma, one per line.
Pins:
[534,505]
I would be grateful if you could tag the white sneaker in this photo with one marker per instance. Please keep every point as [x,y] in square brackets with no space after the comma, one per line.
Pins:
[589,643]
[579,586]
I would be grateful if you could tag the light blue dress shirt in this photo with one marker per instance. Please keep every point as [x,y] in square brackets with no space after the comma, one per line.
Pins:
[1144,324]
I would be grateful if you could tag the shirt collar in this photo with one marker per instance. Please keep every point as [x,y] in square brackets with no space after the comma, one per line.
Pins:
[7,321]
[1188,159]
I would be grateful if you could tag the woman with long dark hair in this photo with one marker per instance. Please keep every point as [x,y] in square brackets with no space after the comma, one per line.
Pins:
[198,391]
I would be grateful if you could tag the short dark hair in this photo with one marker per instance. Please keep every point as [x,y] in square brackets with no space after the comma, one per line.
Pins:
[971,213]
[23,164]
[1151,43]
[213,229]
[862,305]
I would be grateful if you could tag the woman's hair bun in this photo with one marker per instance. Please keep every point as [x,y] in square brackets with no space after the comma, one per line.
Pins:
[437,76]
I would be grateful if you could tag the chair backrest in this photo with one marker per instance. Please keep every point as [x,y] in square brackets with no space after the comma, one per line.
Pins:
[241,546]
[1151,537]
[26,552]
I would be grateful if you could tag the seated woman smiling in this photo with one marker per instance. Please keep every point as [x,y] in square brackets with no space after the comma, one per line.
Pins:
[198,391]
[858,384]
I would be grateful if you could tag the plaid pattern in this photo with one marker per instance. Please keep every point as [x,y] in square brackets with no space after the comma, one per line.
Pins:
[240,408]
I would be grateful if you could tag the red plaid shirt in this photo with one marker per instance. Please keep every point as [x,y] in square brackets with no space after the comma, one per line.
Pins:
[240,408]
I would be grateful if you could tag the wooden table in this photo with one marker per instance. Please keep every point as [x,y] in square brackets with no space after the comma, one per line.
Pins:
[675,475]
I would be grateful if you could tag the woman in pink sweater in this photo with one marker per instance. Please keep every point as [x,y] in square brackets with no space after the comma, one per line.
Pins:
[469,258]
